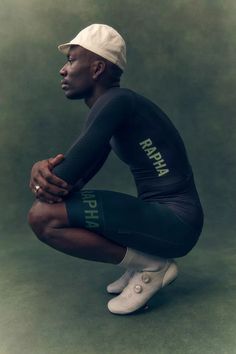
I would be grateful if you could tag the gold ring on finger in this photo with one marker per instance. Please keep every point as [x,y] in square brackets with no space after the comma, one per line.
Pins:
[36,188]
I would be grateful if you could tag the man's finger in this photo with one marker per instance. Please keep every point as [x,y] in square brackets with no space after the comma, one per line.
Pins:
[54,161]
[50,188]
[43,195]
[53,179]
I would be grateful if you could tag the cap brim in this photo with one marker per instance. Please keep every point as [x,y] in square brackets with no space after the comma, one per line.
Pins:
[64,48]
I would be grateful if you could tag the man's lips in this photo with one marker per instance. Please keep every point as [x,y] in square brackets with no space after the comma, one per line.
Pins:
[64,84]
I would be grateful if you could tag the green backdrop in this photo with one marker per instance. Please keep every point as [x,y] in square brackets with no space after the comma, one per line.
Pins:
[180,53]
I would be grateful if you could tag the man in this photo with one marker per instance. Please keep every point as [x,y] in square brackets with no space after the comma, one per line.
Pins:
[142,234]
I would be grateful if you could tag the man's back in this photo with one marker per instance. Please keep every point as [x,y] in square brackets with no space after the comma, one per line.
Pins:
[152,147]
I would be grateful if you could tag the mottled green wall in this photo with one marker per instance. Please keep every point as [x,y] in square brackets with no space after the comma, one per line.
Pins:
[181,54]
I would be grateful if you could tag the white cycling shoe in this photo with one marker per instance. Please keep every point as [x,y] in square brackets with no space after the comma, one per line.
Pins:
[141,287]
[117,286]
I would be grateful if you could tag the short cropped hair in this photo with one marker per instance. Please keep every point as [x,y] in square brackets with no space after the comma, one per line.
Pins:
[113,71]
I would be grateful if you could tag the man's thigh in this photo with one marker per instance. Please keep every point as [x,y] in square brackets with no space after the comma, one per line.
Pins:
[148,226]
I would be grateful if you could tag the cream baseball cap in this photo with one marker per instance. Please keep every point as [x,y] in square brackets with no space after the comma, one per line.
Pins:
[102,40]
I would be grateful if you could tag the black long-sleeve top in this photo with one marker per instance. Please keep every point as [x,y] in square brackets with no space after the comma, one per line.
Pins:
[143,137]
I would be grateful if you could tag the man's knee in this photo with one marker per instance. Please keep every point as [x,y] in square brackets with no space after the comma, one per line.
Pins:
[40,218]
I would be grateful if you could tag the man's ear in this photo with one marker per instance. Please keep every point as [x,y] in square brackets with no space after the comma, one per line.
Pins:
[98,68]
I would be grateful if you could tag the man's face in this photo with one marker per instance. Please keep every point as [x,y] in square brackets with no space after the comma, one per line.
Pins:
[77,80]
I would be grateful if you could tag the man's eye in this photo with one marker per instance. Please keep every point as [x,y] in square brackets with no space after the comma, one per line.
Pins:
[70,61]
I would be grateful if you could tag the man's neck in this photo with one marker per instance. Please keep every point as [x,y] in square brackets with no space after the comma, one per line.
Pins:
[99,91]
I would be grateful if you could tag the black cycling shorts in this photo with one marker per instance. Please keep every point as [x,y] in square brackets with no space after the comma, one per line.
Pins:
[147,226]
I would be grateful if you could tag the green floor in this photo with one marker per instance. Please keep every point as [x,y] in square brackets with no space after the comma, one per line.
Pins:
[55,304]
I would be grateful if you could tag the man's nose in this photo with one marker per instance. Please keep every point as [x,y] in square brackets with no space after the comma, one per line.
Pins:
[63,71]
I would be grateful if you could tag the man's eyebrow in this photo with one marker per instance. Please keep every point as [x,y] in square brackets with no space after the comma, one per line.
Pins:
[72,56]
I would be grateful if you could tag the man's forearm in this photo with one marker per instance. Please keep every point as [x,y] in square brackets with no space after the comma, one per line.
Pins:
[90,172]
